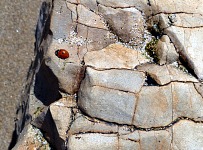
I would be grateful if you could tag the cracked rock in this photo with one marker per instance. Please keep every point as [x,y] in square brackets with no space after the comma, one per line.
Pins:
[154,106]
[166,52]
[98,102]
[94,141]
[126,23]
[84,124]
[62,117]
[166,74]
[89,18]
[191,138]
[115,56]
[187,101]
[109,94]
[189,44]
[123,80]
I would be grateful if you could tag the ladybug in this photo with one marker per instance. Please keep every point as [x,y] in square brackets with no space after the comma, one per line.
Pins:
[62,53]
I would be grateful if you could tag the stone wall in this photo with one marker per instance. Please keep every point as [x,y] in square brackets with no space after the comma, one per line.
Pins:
[133,79]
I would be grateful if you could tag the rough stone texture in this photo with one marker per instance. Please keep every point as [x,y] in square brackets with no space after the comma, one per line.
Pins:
[114,56]
[191,138]
[166,51]
[32,138]
[150,99]
[126,23]
[99,104]
[189,44]
[84,124]
[109,94]
[123,80]
[186,101]
[166,74]
[94,141]
[58,113]
[199,88]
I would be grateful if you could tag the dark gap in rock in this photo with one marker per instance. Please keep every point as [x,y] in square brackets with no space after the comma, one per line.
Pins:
[150,81]
[155,30]
[46,87]
[187,66]
[47,126]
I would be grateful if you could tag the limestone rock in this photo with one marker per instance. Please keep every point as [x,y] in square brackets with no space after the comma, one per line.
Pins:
[68,72]
[154,107]
[187,101]
[189,42]
[115,88]
[157,139]
[99,97]
[62,117]
[94,141]
[84,124]
[32,138]
[123,80]
[126,23]
[89,18]
[199,88]
[166,52]
[114,56]
[179,6]
[188,135]
[98,102]
[166,74]
[61,18]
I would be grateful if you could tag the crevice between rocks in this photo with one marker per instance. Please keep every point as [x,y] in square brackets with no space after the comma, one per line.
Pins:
[168,13]
[113,89]
[103,69]
[91,26]
[197,90]
[133,127]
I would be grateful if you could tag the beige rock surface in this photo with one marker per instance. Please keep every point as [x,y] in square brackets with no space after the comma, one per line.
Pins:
[114,56]
[110,94]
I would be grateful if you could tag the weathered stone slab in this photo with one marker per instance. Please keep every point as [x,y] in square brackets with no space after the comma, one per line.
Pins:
[187,135]
[166,52]
[89,18]
[114,56]
[126,23]
[166,74]
[62,118]
[61,19]
[189,44]
[187,6]
[159,73]
[154,107]
[98,102]
[157,139]
[187,101]
[93,141]
[199,88]
[83,124]
[124,80]
[128,145]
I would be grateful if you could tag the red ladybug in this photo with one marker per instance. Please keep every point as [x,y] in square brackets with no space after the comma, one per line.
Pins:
[62,53]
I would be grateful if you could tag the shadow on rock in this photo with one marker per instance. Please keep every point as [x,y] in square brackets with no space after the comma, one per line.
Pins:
[46,87]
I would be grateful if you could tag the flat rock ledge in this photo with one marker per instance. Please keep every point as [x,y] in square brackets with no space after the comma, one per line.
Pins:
[133,78]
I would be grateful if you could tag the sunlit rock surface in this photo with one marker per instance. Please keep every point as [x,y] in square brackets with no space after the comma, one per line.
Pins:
[109,93]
